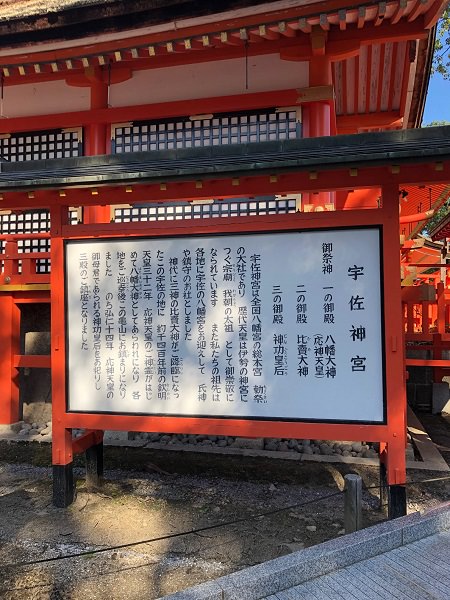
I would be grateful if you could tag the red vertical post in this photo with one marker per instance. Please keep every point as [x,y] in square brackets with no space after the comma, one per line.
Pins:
[440,299]
[62,455]
[10,345]
[319,115]
[96,143]
[395,461]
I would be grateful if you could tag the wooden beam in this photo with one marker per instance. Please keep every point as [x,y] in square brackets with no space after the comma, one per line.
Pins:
[85,441]
[286,30]
[368,79]
[380,76]
[318,41]
[304,26]
[417,9]
[315,93]
[152,111]
[399,12]
[361,17]
[344,88]
[267,33]
[351,123]
[382,34]
[26,287]
[434,13]
[392,77]
[356,88]
[32,361]
[323,22]
[381,13]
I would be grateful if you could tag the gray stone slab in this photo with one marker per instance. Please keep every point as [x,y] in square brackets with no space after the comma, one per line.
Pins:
[317,589]
[442,509]
[430,563]
[300,592]
[294,569]
[438,546]
[414,570]
[365,580]
[284,595]
[429,525]
[346,567]
[398,580]
[386,580]
[353,590]
[338,587]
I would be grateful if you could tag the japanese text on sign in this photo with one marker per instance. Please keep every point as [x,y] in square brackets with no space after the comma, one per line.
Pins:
[284,325]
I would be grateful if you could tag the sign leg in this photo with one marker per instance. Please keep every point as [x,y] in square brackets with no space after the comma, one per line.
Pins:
[63,485]
[396,477]
[396,501]
[94,465]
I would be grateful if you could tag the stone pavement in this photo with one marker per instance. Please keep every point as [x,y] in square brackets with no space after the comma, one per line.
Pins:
[408,558]
[418,571]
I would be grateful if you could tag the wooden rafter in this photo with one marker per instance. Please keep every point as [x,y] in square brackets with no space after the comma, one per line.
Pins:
[399,11]
[336,19]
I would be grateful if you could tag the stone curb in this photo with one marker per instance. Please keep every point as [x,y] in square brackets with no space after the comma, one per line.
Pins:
[288,571]
[291,456]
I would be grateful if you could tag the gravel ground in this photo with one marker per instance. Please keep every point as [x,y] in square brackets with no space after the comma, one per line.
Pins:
[133,507]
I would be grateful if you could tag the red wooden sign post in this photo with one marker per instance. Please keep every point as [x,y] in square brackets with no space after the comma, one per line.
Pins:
[389,430]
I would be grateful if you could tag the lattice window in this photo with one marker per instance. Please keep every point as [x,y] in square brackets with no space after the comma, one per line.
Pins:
[222,208]
[31,222]
[27,222]
[237,128]
[40,145]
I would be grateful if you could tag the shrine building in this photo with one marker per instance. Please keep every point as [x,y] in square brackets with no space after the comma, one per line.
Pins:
[126,127]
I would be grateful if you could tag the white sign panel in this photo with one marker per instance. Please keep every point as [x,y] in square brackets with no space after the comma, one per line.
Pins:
[268,325]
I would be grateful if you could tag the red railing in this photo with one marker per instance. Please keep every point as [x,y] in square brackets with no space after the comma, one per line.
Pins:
[426,314]
[19,266]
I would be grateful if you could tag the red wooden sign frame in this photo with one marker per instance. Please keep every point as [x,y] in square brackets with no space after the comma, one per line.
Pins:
[391,435]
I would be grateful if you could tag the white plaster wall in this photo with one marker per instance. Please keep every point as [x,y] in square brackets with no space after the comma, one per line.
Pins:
[43,99]
[204,80]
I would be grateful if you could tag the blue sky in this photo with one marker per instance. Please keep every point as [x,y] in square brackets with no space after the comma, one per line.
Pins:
[437,105]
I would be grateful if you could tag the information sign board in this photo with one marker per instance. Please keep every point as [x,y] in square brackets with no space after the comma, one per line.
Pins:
[285,326]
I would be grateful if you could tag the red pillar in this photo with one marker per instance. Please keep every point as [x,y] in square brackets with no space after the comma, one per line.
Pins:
[394,451]
[62,453]
[319,112]
[319,116]
[96,144]
[10,345]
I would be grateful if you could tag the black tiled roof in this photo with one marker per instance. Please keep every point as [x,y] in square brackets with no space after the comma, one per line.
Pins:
[370,149]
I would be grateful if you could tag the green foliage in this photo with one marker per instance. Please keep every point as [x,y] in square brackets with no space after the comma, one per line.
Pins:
[436,124]
[441,58]
[438,216]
